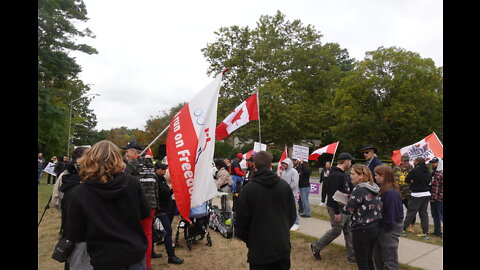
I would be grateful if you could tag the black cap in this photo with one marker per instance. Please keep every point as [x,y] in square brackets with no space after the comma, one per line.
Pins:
[367,147]
[134,145]
[434,160]
[160,165]
[344,156]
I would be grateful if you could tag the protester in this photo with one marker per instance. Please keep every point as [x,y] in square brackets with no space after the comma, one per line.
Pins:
[419,178]
[54,161]
[369,152]
[386,249]
[105,211]
[41,165]
[250,170]
[67,181]
[365,209]
[224,182]
[323,180]
[304,186]
[400,172]
[338,180]
[261,223]
[61,166]
[143,170]
[165,204]
[436,201]
[290,175]
[236,172]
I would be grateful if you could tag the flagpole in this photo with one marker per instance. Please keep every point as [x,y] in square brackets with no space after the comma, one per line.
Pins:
[156,138]
[258,109]
[334,152]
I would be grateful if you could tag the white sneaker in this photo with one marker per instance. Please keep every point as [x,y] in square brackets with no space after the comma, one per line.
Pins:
[294,227]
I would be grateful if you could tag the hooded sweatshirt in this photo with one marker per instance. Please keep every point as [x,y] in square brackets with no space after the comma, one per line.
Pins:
[290,175]
[108,215]
[364,206]
[265,212]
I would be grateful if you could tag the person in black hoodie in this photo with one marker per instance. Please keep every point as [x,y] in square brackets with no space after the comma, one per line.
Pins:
[265,213]
[105,209]
[419,179]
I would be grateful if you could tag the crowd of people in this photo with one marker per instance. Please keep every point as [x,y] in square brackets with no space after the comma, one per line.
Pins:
[110,202]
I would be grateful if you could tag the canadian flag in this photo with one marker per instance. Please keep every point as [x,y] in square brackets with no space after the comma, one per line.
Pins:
[428,148]
[190,147]
[244,113]
[243,163]
[329,149]
[284,156]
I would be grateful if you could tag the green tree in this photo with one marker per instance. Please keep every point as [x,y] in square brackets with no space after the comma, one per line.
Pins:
[293,71]
[58,82]
[391,99]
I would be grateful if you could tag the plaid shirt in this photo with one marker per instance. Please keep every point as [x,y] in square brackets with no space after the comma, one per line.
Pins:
[437,187]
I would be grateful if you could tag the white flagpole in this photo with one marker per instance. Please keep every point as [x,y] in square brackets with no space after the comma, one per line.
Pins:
[334,152]
[258,109]
[154,140]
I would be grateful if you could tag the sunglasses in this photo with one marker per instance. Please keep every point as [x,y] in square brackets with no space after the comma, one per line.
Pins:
[365,153]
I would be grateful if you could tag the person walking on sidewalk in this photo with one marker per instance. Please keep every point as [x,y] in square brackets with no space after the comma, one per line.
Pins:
[386,249]
[365,208]
[266,210]
[290,175]
[419,179]
[338,180]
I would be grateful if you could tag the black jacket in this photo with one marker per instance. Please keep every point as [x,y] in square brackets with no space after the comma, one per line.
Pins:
[304,177]
[337,180]
[108,215]
[265,212]
[165,202]
[69,181]
[419,178]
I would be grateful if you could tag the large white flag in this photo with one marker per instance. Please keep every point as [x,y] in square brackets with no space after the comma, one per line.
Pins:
[190,148]
[428,148]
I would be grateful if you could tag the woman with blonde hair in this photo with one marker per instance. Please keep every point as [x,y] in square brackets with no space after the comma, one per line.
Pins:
[391,225]
[106,209]
[365,208]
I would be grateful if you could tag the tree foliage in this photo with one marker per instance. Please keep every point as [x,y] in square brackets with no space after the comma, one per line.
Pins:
[58,82]
[287,63]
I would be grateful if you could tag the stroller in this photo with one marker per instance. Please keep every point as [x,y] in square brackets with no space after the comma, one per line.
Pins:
[221,219]
[198,228]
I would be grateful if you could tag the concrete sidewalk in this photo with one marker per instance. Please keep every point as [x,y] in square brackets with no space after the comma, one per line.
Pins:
[410,252]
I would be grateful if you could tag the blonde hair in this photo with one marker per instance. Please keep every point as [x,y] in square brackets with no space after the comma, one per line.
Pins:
[102,161]
[363,170]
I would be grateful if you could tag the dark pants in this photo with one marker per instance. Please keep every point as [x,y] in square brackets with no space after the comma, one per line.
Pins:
[167,238]
[48,179]
[437,215]
[364,241]
[278,265]
[405,202]
[417,205]
[324,191]
[386,249]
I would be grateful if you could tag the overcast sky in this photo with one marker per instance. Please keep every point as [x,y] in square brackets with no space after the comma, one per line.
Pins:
[149,50]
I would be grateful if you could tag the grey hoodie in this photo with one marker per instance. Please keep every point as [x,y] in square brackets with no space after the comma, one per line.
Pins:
[290,175]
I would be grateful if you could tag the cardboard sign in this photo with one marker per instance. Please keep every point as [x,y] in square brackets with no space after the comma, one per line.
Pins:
[300,152]
[49,168]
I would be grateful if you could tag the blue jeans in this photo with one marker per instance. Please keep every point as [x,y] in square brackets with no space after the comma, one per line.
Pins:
[304,193]
[167,238]
[236,178]
[437,215]
[39,175]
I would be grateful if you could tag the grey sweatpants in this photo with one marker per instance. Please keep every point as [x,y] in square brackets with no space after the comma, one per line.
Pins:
[335,232]
[386,249]
[419,205]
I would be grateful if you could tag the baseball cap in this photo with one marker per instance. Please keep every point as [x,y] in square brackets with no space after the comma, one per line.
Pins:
[344,156]
[240,155]
[159,165]
[134,145]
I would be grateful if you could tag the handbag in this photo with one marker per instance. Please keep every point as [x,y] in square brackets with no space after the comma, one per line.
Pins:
[63,249]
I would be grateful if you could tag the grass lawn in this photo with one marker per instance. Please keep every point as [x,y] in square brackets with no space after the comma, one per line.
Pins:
[224,253]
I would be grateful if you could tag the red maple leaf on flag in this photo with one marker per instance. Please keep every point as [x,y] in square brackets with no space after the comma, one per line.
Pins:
[237,116]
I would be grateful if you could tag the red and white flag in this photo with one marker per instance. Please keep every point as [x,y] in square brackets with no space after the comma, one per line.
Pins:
[329,149]
[428,148]
[247,155]
[190,148]
[284,156]
[149,152]
[244,113]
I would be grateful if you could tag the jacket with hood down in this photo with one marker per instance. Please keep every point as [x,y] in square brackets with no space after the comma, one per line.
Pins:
[265,212]
[365,206]
[290,175]
[108,215]
[419,178]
